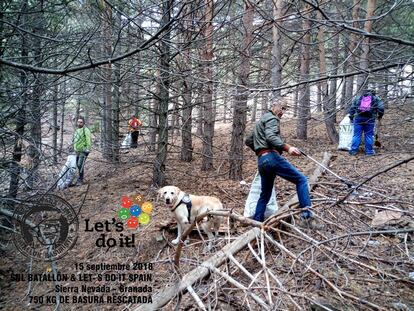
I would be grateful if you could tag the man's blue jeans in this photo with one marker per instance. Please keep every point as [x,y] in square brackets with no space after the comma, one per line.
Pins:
[272,165]
[363,125]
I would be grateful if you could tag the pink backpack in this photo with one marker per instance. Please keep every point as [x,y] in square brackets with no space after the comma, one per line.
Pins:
[365,103]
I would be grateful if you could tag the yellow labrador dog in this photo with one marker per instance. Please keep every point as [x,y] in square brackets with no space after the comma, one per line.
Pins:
[186,207]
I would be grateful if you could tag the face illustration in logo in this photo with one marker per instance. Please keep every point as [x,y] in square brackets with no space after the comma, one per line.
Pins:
[132,222]
[137,199]
[147,207]
[50,228]
[126,202]
[144,219]
[135,210]
[123,213]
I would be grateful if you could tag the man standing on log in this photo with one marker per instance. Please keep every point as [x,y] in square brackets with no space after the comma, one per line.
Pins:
[266,142]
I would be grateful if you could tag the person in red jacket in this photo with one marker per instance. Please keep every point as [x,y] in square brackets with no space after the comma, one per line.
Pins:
[134,124]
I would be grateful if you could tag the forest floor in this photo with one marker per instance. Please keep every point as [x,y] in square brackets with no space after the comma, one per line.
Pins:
[393,253]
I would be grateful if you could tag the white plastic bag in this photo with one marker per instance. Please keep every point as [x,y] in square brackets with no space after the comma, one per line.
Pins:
[127,142]
[67,173]
[253,197]
[346,131]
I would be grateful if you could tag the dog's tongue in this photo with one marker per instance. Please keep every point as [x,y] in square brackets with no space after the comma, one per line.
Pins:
[170,205]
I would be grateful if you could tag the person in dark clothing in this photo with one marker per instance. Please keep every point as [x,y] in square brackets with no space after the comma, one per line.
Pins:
[266,142]
[363,112]
[134,125]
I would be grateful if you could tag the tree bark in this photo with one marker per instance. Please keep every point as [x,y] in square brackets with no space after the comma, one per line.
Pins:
[55,122]
[187,109]
[62,124]
[240,103]
[304,91]
[328,104]
[334,84]
[351,55]
[362,80]
[208,124]
[277,48]
[116,104]
[35,149]
[107,138]
[158,177]
[153,119]
[20,120]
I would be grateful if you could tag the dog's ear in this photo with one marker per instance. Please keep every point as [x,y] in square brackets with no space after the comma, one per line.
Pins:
[159,193]
[177,190]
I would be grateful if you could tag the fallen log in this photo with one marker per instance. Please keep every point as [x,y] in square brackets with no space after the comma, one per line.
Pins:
[163,297]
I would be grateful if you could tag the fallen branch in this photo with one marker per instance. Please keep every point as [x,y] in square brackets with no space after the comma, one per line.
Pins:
[163,297]
[371,177]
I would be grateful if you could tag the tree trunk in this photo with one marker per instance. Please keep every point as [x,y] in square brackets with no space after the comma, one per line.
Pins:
[138,89]
[328,107]
[349,92]
[107,138]
[187,141]
[153,121]
[344,81]
[62,126]
[187,109]
[55,122]
[295,101]
[225,108]
[254,110]
[175,122]
[208,124]
[116,109]
[240,103]
[362,80]
[20,116]
[264,105]
[276,63]
[304,92]
[334,84]
[158,177]
[319,94]
[35,149]
[200,117]
[256,99]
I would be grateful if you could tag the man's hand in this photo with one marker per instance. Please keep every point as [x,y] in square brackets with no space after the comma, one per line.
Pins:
[294,151]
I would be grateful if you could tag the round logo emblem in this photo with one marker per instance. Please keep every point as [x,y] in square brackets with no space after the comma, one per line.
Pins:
[46,227]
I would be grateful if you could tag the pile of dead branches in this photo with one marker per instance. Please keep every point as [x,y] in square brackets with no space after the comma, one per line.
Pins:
[360,259]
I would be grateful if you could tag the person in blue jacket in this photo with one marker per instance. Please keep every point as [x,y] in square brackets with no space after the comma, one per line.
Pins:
[363,112]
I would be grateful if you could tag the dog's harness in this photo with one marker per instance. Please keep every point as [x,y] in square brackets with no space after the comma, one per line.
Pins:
[187,201]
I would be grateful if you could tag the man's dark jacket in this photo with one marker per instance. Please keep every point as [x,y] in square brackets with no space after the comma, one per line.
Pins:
[377,108]
[266,134]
